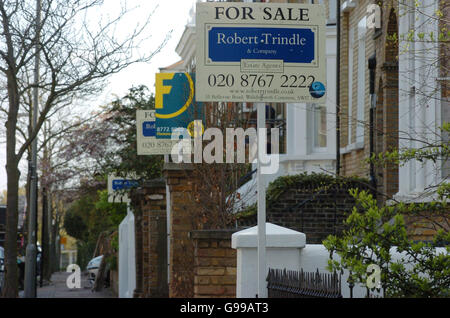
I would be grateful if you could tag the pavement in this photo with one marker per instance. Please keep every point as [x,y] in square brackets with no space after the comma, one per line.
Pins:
[58,289]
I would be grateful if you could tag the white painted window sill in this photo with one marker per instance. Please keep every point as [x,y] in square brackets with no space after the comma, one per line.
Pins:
[352,147]
[348,5]
[413,197]
[314,156]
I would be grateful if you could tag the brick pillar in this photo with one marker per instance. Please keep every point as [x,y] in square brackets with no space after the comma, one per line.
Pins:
[215,264]
[149,202]
[379,143]
[389,71]
[179,178]
[390,121]
[138,245]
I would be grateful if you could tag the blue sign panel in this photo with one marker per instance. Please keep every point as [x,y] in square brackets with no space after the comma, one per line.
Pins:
[231,44]
[122,184]
[175,103]
[149,128]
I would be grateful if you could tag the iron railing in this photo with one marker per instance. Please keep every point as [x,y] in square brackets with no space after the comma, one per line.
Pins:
[300,284]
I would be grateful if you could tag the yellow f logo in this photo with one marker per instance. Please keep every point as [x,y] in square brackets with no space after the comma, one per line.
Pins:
[162,90]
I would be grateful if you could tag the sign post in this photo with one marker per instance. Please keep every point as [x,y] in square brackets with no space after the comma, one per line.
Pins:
[261,217]
[261,52]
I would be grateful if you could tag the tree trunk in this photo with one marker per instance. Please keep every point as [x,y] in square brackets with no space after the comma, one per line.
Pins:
[13,174]
[57,245]
[11,277]
[100,278]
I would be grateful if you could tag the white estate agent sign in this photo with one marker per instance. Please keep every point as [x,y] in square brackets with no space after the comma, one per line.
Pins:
[260,52]
[147,143]
[118,188]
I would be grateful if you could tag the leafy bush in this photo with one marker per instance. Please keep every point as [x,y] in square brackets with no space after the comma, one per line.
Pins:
[372,232]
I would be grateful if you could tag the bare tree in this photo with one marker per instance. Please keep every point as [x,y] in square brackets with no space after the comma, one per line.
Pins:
[77,56]
[219,182]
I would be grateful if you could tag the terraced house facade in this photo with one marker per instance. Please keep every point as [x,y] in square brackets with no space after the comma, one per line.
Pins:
[410,100]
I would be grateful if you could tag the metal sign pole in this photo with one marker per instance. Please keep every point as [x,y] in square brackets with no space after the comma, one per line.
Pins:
[262,290]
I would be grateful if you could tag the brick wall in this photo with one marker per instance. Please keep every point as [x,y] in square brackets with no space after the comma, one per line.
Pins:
[208,257]
[424,225]
[353,161]
[215,264]
[420,229]
[149,202]
[315,213]
[179,178]
[389,73]
[445,86]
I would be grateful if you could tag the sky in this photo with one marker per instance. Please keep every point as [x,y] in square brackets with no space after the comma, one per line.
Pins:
[169,15]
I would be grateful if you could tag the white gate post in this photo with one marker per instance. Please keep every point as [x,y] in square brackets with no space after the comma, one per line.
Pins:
[131,254]
[123,258]
[283,251]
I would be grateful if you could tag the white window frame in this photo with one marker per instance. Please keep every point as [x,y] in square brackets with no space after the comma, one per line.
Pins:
[317,123]
[350,84]
[332,12]
[361,82]
[313,129]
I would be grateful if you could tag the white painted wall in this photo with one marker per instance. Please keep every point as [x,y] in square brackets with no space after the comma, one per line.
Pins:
[131,256]
[316,256]
[286,249]
[419,99]
[127,259]
[123,258]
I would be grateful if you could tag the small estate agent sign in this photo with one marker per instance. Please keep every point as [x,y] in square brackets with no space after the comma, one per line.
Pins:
[147,143]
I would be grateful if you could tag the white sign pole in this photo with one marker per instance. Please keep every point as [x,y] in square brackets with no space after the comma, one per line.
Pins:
[262,287]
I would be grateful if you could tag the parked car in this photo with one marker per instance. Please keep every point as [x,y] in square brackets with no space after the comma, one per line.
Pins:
[93,267]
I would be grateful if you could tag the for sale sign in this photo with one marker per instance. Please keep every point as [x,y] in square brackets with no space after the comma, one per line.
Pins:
[175,103]
[260,52]
[118,188]
[147,143]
